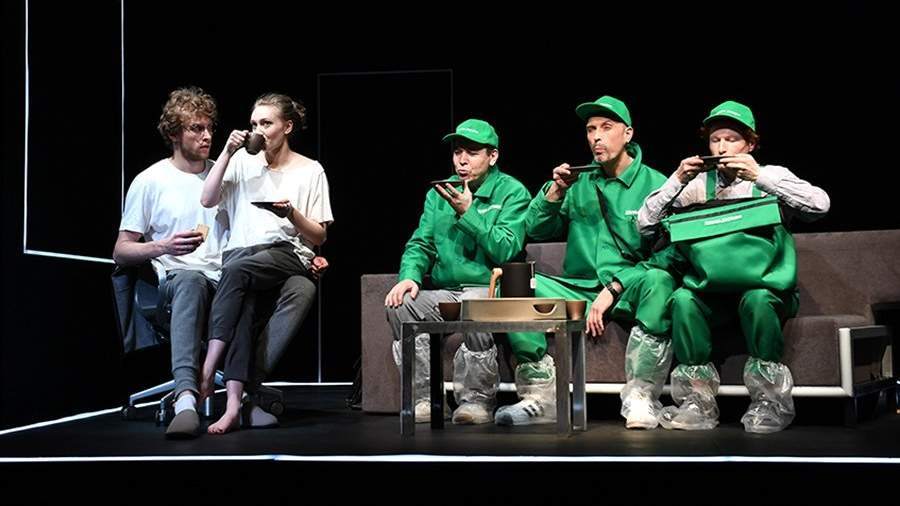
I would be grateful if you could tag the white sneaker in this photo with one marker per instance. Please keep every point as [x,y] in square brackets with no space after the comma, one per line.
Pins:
[423,411]
[641,412]
[472,413]
[526,412]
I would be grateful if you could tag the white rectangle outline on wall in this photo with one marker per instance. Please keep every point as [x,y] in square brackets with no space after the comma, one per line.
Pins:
[69,256]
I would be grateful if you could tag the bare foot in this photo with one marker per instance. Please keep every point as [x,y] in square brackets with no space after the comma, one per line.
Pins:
[230,421]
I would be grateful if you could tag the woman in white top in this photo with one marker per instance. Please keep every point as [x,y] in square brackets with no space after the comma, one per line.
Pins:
[268,244]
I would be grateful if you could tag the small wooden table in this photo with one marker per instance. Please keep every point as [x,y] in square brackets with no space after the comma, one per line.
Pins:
[571,414]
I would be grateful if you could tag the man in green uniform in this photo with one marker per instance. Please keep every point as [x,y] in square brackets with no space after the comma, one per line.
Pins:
[603,266]
[750,274]
[466,230]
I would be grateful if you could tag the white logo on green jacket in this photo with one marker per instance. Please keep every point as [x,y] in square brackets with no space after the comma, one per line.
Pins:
[484,210]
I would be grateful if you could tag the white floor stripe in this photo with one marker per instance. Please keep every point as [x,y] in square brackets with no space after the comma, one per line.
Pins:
[92,414]
[413,458]
[72,418]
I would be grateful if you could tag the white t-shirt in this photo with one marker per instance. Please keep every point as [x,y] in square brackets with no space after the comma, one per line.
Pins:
[248,179]
[162,201]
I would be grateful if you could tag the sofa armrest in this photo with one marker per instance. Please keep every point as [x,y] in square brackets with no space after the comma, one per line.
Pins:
[812,347]
[380,378]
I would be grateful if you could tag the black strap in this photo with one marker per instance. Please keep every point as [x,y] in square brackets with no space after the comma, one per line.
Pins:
[617,239]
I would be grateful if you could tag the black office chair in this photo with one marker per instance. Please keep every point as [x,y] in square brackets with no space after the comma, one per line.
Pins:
[143,316]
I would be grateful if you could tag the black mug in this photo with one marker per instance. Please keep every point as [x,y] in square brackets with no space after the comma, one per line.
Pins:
[518,279]
[254,142]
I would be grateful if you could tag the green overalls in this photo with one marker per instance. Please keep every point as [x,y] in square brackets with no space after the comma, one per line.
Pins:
[462,251]
[764,299]
[598,251]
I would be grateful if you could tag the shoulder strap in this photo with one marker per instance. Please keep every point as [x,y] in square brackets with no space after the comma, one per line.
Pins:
[631,254]
[712,177]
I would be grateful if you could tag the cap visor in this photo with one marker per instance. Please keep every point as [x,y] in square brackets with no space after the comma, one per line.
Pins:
[590,109]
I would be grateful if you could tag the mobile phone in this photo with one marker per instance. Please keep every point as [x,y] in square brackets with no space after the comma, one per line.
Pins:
[713,160]
[578,169]
[454,182]
[268,206]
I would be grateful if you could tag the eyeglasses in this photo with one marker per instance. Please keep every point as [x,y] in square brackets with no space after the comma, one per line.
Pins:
[198,129]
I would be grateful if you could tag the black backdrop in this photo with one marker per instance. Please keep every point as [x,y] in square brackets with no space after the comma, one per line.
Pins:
[382,85]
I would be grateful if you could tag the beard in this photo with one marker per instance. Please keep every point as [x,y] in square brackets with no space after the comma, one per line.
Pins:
[193,154]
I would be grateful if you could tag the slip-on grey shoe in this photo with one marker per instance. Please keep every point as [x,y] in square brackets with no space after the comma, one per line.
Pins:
[185,425]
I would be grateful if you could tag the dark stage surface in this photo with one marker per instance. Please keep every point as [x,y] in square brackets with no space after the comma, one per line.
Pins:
[320,438]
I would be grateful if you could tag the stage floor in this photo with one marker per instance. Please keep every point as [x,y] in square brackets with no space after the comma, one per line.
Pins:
[317,423]
[318,428]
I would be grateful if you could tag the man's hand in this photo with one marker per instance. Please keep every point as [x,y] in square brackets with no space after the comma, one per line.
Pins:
[743,166]
[459,201]
[181,243]
[282,208]
[562,180]
[689,168]
[599,307]
[395,296]
[318,266]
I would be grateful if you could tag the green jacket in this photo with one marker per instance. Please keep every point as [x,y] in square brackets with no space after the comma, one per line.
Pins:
[594,256]
[462,251]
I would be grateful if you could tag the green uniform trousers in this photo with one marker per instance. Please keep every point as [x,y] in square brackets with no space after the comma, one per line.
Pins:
[762,313]
[644,302]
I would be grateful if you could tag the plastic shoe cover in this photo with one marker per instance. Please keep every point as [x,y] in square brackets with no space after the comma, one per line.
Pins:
[694,390]
[772,406]
[421,380]
[423,411]
[472,413]
[476,377]
[647,362]
[647,358]
[536,386]
[526,412]
[640,411]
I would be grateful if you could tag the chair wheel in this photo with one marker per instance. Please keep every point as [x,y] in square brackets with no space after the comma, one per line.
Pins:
[159,417]
[129,413]
[276,408]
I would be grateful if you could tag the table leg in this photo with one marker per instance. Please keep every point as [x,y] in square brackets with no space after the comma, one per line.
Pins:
[407,371]
[563,376]
[437,382]
[579,397]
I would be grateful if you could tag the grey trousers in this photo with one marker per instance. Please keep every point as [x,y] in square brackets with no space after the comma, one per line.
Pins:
[280,315]
[425,308]
[246,273]
[294,300]
[190,293]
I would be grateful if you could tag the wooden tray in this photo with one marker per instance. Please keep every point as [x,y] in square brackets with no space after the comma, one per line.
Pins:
[514,309]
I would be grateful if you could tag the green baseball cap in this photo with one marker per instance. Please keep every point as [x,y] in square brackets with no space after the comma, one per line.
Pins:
[603,106]
[734,111]
[476,130]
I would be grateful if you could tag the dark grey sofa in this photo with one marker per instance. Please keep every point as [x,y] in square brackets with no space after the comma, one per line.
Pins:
[833,347]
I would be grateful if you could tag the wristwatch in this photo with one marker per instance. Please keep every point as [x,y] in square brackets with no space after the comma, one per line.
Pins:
[612,289]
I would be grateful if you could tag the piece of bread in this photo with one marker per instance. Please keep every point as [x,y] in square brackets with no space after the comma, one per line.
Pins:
[203,229]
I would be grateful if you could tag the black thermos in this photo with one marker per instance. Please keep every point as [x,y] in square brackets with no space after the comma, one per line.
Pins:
[517,280]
